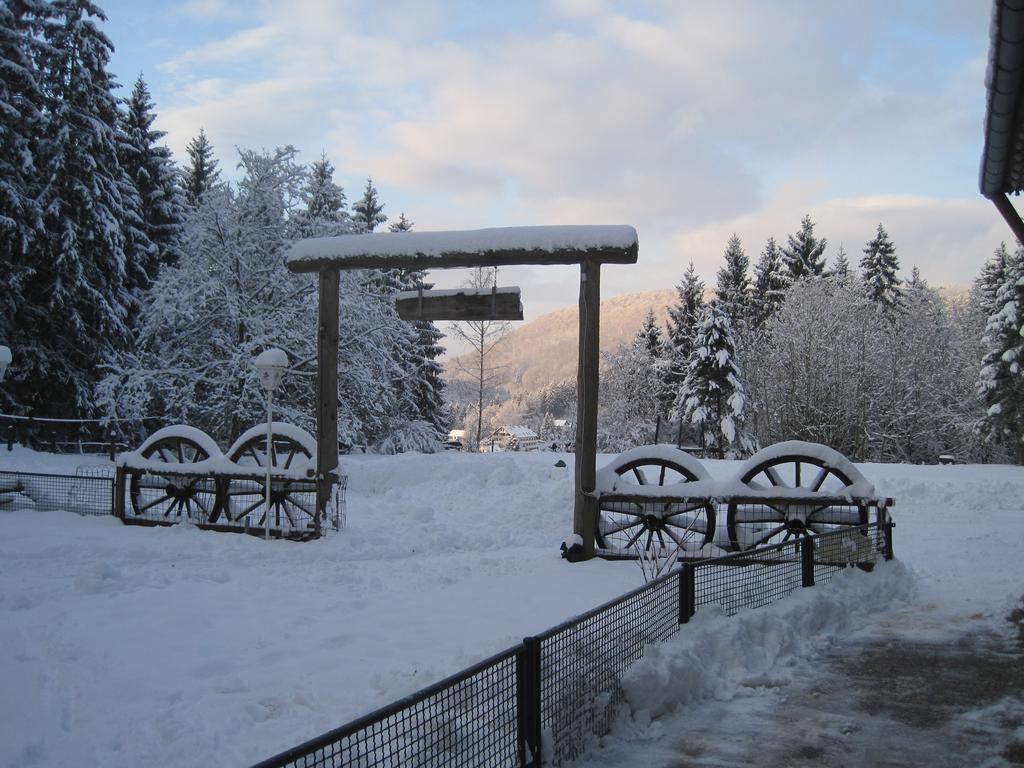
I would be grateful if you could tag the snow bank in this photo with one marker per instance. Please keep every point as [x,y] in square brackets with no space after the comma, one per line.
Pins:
[436,244]
[720,657]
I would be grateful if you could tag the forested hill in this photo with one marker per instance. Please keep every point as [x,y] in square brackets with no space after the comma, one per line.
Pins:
[544,351]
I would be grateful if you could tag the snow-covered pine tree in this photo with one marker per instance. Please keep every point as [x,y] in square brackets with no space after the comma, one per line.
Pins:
[991,279]
[878,269]
[840,265]
[630,390]
[202,172]
[76,302]
[22,113]
[733,289]
[803,255]
[1001,382]
[681,325]
[770,285]
[401,225]
[152,171]
[649,335]
[427,372]
[368,211]
[713,396]
[326,212]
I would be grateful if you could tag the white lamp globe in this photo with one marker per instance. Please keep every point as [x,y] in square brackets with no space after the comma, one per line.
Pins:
[271,364]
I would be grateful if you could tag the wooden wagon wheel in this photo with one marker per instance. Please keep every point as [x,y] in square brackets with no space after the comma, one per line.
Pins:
[658,522]
[800,470]
[291,506]
[158,496]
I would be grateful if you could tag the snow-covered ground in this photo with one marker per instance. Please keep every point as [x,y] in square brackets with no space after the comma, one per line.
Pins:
[127,646]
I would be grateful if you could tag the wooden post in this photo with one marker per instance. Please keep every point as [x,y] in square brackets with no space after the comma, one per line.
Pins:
[585,509]
[119,486]
[326,392]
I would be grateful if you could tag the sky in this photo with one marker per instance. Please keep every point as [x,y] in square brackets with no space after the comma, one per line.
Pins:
[690,121]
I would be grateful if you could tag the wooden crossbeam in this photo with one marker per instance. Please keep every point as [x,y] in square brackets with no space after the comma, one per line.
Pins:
[467,304]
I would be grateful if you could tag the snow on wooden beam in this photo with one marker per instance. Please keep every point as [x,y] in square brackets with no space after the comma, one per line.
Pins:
[460,304]
[499,247]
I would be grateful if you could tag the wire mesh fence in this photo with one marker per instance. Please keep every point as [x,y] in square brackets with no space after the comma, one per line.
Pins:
[88,493]
[158,500]
[541,702]
[470,719]
[582,661]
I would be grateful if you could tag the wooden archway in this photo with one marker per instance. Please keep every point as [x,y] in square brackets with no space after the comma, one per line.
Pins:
[588,246]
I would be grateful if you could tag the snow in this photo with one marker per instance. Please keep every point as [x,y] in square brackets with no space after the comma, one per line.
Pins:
[184,431]
[297,434]
[609,482]
[436,244]
[437,292]
[218,462]
[128,646]
[271,358]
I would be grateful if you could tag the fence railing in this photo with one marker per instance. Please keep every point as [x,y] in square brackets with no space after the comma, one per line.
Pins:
[94,491]
[540,702]
[75,435]
[90,492]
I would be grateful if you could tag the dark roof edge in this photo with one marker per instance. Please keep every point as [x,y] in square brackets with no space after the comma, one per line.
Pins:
[1004,80]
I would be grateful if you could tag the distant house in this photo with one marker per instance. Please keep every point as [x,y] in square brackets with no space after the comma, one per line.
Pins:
[509,438]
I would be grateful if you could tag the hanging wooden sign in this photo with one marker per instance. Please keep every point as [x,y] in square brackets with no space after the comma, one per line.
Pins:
[460,304]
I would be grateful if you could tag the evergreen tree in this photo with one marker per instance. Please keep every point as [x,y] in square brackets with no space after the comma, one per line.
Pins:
[325,213]
[155,178]
[1001,382]
[803,255]
[770,285]
[991,279]
[427,371]
[402,225]
[733,290]
[630,390]
[75,304]
[916,282]
[201,173]
[878,268]
[713,395]
[682,320]
[649,335]
[841,265]
[22,115]
[368,210]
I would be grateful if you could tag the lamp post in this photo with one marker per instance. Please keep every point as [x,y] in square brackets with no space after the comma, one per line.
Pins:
[271,364]
[5,360]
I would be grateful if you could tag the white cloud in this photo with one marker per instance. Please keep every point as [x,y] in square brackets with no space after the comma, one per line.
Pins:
[690,121]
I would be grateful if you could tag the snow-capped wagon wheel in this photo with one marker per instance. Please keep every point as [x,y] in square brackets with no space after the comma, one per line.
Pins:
[291,507]
[660,522]
[807,476]
[155,495]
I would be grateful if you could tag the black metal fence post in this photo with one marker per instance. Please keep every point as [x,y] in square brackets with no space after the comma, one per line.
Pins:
[528,702]
[687,592]
[807,561]
[888,540]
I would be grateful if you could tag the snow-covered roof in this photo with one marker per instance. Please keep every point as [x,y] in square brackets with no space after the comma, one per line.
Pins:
[520,432]
[1002,159]
[566,244]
